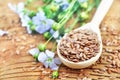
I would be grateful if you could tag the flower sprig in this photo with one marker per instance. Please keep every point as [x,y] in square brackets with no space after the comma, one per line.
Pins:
[50,20]
[46,57]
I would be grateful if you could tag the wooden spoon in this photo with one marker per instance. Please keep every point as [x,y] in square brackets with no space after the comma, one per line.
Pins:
[93,26]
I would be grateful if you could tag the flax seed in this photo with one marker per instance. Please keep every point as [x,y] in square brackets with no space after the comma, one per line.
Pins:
[79,45]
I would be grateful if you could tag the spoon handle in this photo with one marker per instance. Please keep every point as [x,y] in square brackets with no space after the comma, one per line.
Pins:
[101,11]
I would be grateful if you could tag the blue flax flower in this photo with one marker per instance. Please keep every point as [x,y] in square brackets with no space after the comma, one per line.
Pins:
[22,13]
[42,23]
[47,58]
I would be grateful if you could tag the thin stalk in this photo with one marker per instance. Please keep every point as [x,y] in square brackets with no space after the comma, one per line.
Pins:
[73,25]
[69,10]
[66,19]
[54,47]
[48,40]
[48,3]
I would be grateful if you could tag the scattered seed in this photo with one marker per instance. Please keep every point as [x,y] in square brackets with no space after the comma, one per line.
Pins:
[17,39]
[33,68]
[3,50]
[17,52]
[32,46]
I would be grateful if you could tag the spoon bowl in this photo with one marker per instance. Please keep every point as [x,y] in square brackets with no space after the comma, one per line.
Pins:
[92,26]
[86,63]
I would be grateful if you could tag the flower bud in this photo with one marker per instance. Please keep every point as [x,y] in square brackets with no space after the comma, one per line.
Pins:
[25,11]
[84,15]
[56,26]
[42,47]
[32,27]
[30,23]
[31,14]
[54,8]
[47,35]
[84,5]
[55,74]
[36,56]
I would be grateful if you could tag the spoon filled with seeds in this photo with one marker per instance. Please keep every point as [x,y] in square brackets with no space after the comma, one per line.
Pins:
[82,47]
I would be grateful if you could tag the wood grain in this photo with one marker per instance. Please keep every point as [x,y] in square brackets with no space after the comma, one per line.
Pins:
[17,64]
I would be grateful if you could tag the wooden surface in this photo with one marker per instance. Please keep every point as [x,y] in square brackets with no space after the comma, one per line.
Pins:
[17,64]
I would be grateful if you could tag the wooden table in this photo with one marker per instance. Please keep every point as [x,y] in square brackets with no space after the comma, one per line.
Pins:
[17,64]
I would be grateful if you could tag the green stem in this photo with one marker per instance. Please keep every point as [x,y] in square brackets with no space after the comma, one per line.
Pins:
[90,7]
[48,3]
[68,11]
[68,15]
[54,47]
[73,25]
[48,40]
[66,19]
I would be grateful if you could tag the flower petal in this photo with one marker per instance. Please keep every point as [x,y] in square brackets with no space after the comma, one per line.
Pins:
[52,31]
[53,66]
[25,19]
[33,51]
[56,34]
[29,30]
[3,32]
[57,61]
[46,64]
[49,22]
[20,7]
[43,25]
[40,29]
[64,5]
[12,7]
[36,20]
[42,57]
[50,53]
[40,16]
